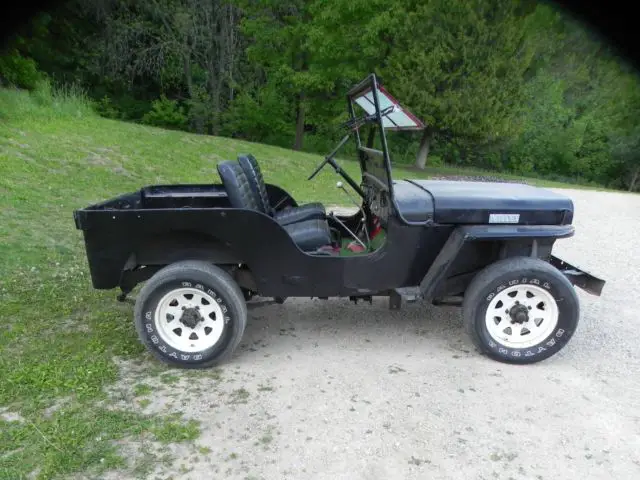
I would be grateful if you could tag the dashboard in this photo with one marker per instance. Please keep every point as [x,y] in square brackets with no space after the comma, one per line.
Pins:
[377,197]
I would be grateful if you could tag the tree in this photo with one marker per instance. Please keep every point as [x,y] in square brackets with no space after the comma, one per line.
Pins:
[279,47]
[460,67]
[190,45]
[574,97]
[624,100]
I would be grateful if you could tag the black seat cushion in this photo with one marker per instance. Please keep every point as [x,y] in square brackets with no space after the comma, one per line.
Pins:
[309,235]
[301,213]
[285,217]
[237,186]
[256,181]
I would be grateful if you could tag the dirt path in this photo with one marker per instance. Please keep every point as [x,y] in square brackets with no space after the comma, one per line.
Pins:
[330,390]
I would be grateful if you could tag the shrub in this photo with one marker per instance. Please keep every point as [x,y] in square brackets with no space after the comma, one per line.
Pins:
[105,108]
[166,113]
[19,71]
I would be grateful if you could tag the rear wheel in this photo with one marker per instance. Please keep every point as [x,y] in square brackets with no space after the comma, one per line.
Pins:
[520,310]
[191,314]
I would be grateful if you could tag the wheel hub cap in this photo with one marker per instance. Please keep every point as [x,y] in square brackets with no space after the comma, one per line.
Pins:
[191,317]
[519,314]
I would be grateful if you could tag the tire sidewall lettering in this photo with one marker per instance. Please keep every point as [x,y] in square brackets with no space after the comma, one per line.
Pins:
[552,343]
[523,281]
[156,342]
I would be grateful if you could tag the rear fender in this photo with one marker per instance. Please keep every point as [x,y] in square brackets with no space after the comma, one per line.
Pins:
[183,245]
[153,253]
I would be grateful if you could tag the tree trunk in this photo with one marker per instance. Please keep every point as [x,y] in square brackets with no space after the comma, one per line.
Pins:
[215,84]
[186,64]
[423,150]
[297,145]
[196,122]
[635,176]
[232,50]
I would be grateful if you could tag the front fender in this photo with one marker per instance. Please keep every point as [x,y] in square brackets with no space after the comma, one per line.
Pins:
[440,270]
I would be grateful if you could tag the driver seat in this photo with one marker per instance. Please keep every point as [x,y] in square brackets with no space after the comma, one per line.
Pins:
[309,235]
[287,216]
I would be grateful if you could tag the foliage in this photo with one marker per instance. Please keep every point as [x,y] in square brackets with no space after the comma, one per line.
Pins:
[502,84]
[19,71]
[46,102]
[471,73]
[259,117]
[105,108]
[166,113]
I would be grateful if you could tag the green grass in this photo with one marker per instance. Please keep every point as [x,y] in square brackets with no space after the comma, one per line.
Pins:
[59,337]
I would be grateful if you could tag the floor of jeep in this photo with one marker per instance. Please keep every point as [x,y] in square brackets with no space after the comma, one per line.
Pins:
[376,242]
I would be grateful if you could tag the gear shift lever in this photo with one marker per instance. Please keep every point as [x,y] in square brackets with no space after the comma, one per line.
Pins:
[340,185]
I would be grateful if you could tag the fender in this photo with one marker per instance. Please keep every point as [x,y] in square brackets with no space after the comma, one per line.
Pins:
[439,270]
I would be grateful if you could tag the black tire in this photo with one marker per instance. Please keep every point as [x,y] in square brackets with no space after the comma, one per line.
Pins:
[508,273]
[209,279]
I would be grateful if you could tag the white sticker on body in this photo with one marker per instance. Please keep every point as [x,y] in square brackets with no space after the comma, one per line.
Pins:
[504,218]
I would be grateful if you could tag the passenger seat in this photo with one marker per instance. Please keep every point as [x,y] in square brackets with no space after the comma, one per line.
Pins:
[284,217]
[309,235]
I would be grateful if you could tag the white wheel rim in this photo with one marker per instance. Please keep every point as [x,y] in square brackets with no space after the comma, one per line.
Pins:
[189,320]
[523,331]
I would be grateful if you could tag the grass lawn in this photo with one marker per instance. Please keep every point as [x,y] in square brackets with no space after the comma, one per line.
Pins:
[60,338]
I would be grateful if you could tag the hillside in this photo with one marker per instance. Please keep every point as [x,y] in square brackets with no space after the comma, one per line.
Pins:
[59,336]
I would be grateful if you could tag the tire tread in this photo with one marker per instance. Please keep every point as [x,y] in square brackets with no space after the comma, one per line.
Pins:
[221,277]
[471,301]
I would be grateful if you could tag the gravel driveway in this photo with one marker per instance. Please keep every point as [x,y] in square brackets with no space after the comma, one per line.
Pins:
[332,390]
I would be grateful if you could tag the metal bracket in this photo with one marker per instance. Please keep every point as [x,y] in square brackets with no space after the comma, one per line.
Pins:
[365,298]
[579,278]
[395,300]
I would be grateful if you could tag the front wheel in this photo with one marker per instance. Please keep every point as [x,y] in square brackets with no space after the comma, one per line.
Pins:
[191,314]
[520,310]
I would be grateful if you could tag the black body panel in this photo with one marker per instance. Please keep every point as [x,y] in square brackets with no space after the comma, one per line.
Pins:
[124,234]
[279,267]
[413,202]
[184,196]
[473,202]
[439,234]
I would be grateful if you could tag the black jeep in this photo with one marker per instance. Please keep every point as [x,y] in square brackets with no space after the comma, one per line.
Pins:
[206,250]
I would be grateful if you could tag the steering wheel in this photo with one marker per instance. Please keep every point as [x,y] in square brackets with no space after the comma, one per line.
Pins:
[320,167]
[329,158]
